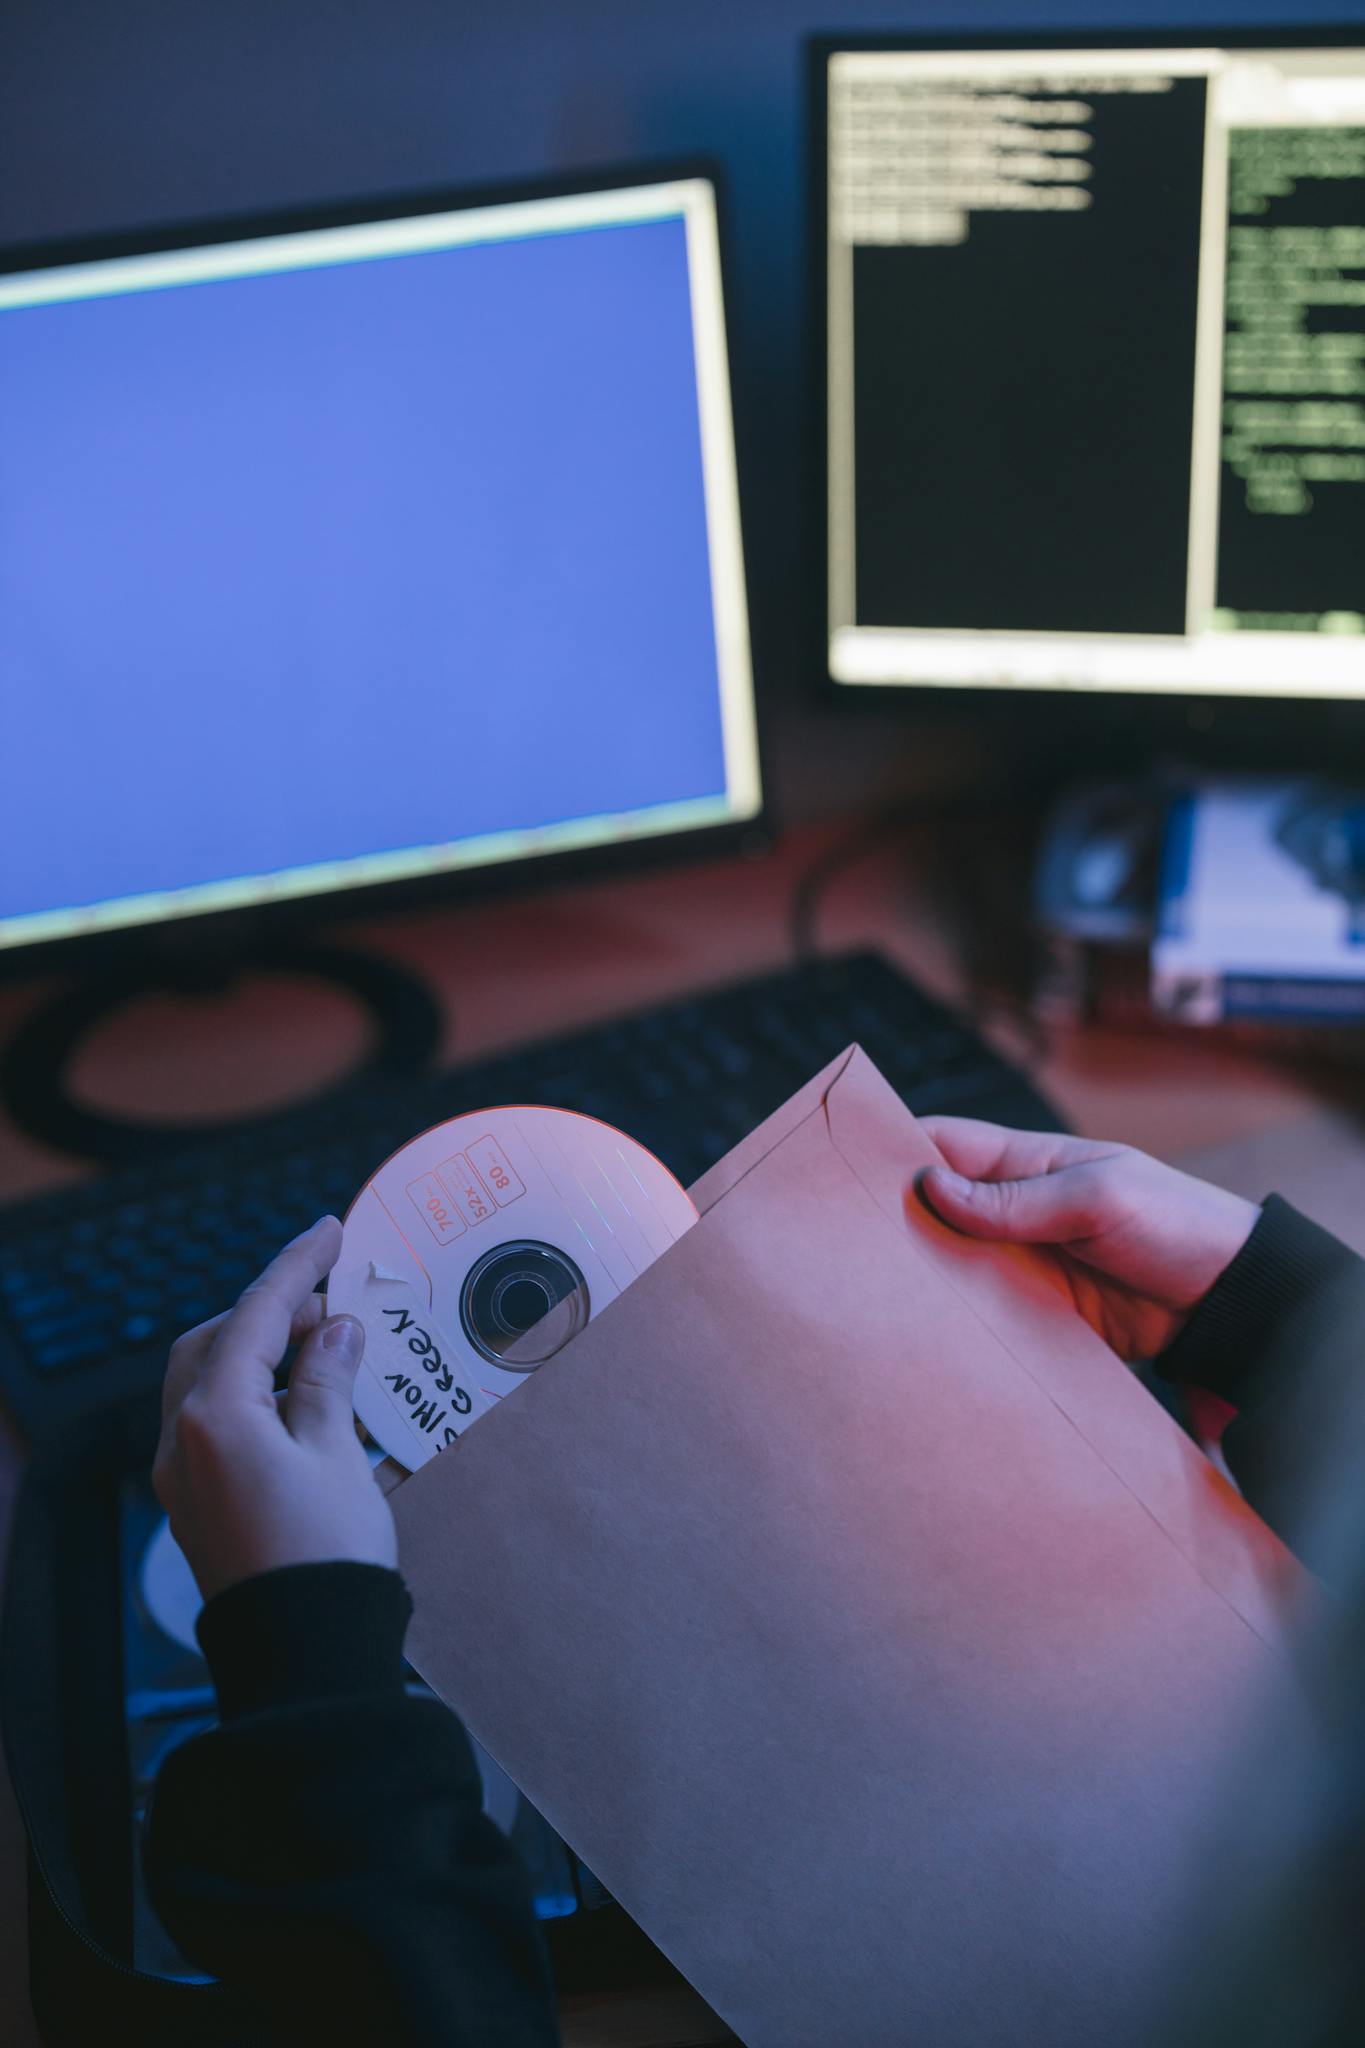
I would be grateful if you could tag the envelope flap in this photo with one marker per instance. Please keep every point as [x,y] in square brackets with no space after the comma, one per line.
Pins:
[718,1180]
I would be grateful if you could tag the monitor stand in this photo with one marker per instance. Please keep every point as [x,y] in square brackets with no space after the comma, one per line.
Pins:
[36,1065]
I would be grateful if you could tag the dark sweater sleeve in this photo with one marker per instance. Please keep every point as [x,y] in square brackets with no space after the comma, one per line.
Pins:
[324,1849]
[1282,1337]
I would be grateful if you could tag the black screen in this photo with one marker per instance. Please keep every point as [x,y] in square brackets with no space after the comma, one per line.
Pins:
[1024,398]
[1095,325]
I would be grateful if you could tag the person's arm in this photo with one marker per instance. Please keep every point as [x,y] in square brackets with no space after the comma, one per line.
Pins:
[1281,1336]
[1254,1303]
[323,1849]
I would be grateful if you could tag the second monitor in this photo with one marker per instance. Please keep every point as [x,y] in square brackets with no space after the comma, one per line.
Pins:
[1095,363]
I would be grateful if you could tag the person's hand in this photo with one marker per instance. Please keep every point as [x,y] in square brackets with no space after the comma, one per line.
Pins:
[252,1480]
[1140,1244]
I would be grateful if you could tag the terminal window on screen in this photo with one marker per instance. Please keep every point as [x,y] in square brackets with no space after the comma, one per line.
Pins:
[312,565]
[1101,328]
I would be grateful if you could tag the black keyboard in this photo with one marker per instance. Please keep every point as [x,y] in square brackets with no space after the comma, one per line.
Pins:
[95,1281]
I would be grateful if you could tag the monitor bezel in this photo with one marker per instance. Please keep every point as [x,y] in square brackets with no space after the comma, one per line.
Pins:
[238,930]
[1292,730]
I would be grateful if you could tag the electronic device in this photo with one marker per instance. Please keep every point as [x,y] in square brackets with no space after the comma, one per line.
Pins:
[96,1280]
[353,549]
[1091,361]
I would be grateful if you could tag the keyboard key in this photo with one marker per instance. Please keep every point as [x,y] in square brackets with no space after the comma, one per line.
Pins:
[59,1354]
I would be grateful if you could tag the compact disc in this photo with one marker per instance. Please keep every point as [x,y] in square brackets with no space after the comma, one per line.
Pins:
[477,1251]
[168,1589]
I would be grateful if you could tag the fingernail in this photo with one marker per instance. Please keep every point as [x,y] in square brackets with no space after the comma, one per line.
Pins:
[932,1177]
[304,1234]
[345,1337]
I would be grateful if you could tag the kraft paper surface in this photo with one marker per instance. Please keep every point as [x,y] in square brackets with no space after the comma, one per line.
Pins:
[851,1610]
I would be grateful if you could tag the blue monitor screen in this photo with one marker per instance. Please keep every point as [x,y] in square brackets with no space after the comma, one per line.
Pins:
[339,557]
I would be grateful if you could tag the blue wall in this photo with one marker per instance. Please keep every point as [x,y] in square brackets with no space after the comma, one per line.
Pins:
[121,112]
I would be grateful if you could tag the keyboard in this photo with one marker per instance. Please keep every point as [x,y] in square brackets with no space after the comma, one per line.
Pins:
[96,1281]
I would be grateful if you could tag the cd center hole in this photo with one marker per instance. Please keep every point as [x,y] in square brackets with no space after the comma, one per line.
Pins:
[522,1302]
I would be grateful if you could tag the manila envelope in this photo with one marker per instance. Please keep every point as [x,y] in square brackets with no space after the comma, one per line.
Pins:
[853,1612]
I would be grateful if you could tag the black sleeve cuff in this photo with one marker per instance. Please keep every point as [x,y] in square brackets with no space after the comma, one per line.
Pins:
[1285,1260]
[306,1632]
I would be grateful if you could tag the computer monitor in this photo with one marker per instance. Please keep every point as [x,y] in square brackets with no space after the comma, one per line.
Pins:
[343,551]
[1093,363]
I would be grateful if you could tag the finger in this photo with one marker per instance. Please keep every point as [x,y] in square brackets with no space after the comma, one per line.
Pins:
[282,1410]
[985,1151]
[252,1338]
[322,1384]
[188,1353]
[306,1319]
[1047,1208]
[183,1365]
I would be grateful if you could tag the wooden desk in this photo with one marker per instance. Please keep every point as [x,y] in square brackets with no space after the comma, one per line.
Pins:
[512,970]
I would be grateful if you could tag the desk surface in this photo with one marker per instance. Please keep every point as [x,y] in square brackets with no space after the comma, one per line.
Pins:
[514,970]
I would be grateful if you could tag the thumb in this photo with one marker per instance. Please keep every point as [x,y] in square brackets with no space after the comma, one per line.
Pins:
[1040,1210]
[322,1382]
